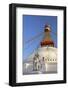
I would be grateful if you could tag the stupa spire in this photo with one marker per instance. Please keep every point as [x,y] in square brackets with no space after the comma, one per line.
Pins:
[47,41]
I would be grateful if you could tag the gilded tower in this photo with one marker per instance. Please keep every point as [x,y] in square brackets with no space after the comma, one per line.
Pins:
[47,41]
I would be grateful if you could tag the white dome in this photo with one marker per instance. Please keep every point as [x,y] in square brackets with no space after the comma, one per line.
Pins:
[49,53]
[46,65]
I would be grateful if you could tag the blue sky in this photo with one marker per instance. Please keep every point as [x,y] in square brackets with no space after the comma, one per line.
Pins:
[32,26]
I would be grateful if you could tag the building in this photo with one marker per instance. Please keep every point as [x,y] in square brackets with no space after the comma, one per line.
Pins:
[44,59]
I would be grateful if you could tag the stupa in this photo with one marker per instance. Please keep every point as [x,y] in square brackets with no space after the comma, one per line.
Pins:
[44,59]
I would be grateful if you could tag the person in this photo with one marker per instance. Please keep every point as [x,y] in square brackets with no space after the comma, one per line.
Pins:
[35,64]
[43,64]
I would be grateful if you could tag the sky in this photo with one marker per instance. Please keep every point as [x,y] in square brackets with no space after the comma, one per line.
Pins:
[32,26]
